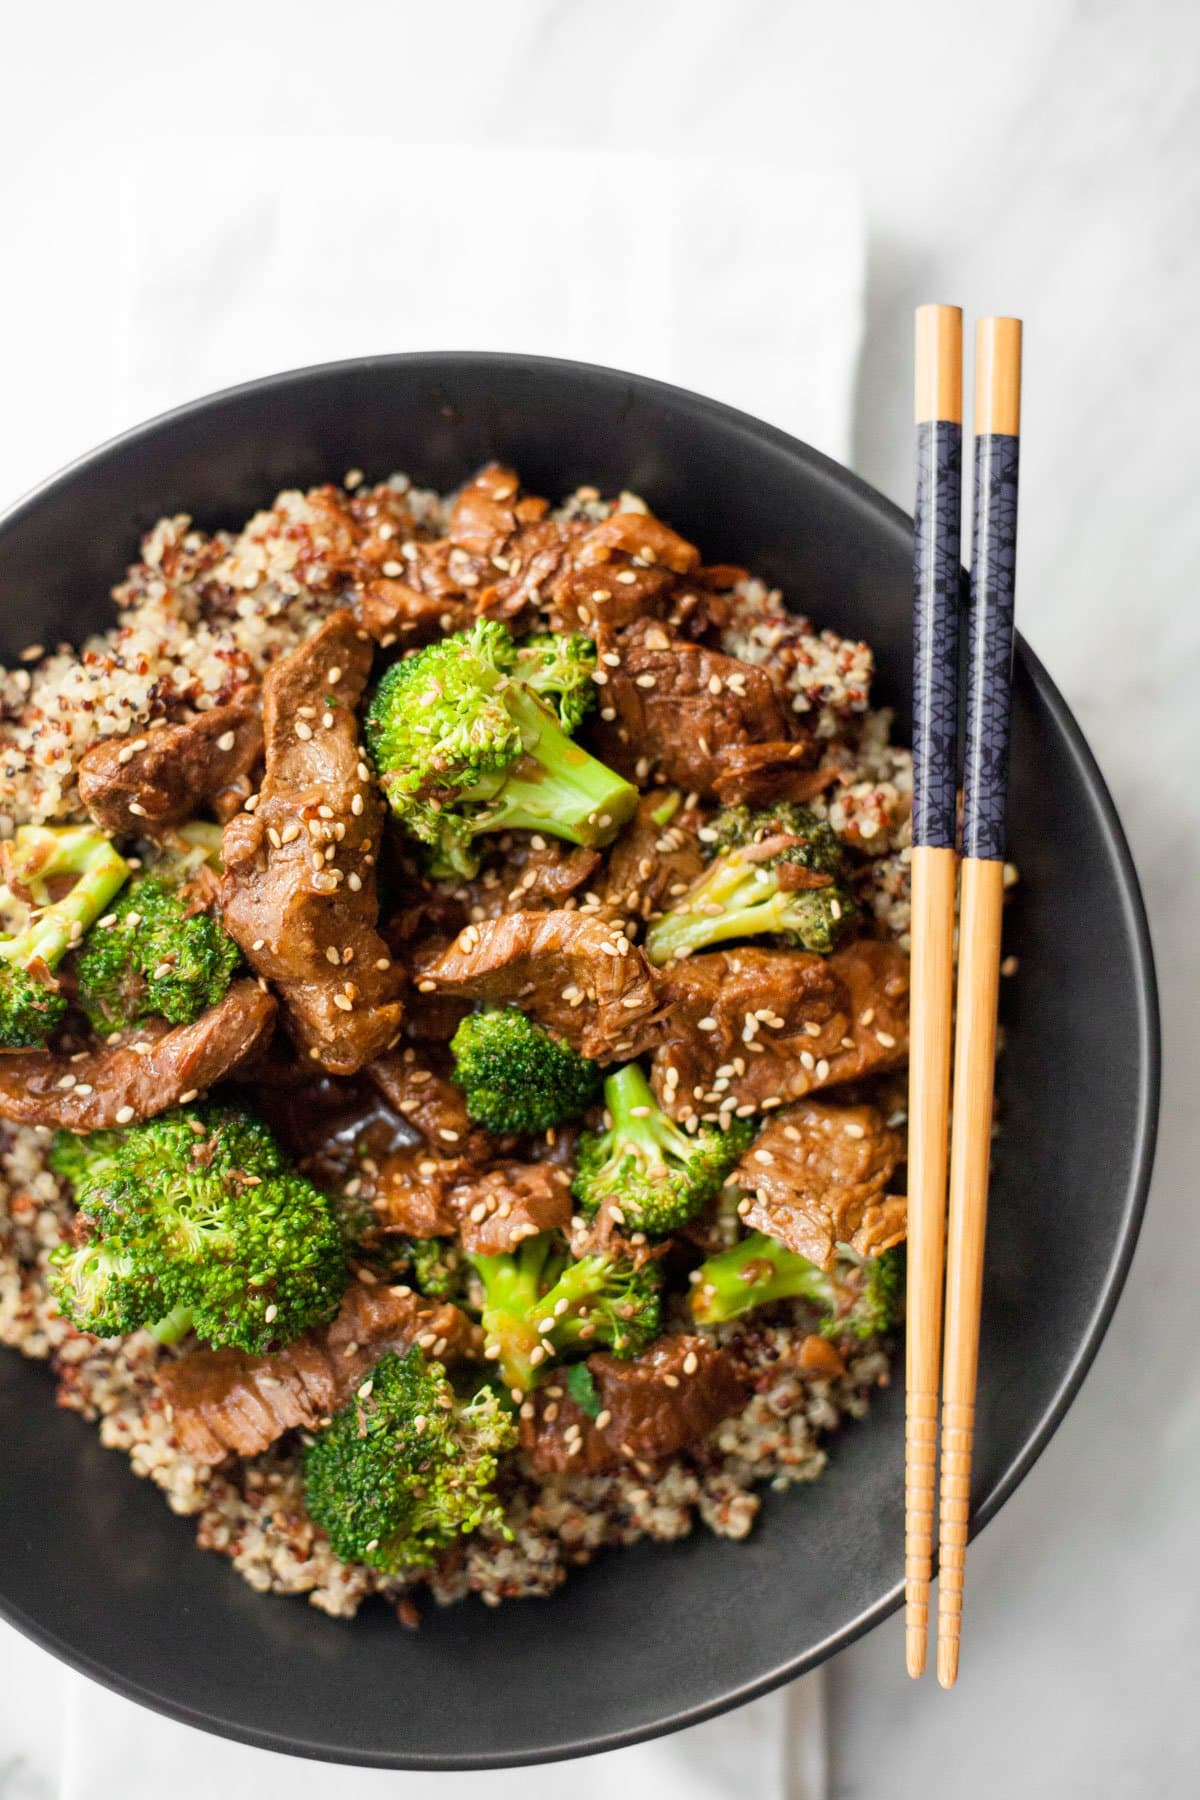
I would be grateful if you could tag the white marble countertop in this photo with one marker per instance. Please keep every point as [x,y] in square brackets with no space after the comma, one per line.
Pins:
[1046,162]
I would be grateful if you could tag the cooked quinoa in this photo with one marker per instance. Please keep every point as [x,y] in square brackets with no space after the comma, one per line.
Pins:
[196,617]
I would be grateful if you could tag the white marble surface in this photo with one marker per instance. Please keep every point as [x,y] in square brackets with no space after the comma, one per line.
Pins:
[1045,161]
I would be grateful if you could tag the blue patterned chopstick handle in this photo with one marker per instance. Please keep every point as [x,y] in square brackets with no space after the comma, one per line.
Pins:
[989,683]
[937,575]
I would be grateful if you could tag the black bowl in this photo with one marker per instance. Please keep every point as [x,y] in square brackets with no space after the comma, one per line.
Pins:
[92,1564]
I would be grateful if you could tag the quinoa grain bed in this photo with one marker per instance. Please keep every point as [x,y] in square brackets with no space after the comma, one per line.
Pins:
[200,619]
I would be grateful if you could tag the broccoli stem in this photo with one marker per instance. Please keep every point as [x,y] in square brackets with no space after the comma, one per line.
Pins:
[556,786]
[175,1326]
[751,904]
[639,1124]
[42,853]
[512,1284]
[754,1273]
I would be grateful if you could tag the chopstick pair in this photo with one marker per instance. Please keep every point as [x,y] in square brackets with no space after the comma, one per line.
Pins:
[935,1237]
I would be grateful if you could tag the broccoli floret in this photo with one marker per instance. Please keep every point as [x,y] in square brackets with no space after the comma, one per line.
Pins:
[515,1076]
[558,667]
[436,1267]
[655,1175]
[153,957]
[778,871]
[539,1305]
[407,1468]
[196,1209]
[463,746]
[857,1298]
[38,860]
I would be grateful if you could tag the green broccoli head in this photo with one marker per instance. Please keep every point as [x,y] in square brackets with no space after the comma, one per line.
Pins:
[105,1288]
[198,1209]
[558,666]
[779,872]
[436,1267]
[407,1468]
[37,861]
[463,745]
[515,1076]
[538,1305]
[856,1298]
[152,957]
[654,1176]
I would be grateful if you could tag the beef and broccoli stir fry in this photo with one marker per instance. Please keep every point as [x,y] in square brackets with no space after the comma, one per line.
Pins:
[453,1007]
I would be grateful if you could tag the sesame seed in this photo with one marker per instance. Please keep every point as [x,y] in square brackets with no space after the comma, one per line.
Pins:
[822,1070]
[303,731]
[137,809]
[188,1095]
[646,681]
[341,1002]
[271,1314]
[31,652]
[125,755]
[133,920]
[332,955]
[227,740]
[67,1081]
[627,577]
[886,1039]
[274,838]
[706,1024]
[367,1389]
[354,883]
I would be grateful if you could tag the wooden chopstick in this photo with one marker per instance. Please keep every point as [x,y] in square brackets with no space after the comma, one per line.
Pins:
[937,569]
[985,788]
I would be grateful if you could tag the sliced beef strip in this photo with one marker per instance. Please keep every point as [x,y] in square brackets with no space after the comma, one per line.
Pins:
[413,1192]
[531,871]
[653,1406]
[225,1402]
[651,864]
[395,613]
[566,969]
[160,1067]
[840,1017]
[312,931]
[818,1175]
[761,774]
[679,706]
[145,786]
[511,1202]
[483,519]
[424,1194]
[431,1104]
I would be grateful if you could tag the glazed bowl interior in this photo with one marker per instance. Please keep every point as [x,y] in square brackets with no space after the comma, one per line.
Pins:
[94,1566]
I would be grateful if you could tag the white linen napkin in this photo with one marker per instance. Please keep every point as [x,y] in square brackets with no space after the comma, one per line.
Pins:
[209,266]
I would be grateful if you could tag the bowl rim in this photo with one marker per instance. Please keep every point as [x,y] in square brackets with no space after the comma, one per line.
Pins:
[1148,1037]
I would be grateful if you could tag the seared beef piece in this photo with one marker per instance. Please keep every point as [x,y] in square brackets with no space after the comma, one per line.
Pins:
[666,1400]
[423,1194]
[679,705]
[530,871]
[430,1103]
[312,931]
[173,772]
[651,865]
[177,1062]
[225,1401]
[510,1202]
[483,519]
[843,1016]
[412,1192]
[761,774]
[395,613]
[592,577]
[566,969]
[818,1174]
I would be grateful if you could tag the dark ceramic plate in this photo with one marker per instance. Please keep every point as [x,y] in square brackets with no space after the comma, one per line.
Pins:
[92,1564]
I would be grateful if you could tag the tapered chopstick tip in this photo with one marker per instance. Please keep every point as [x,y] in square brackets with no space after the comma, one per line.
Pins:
[914,1651]
[947,1661]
